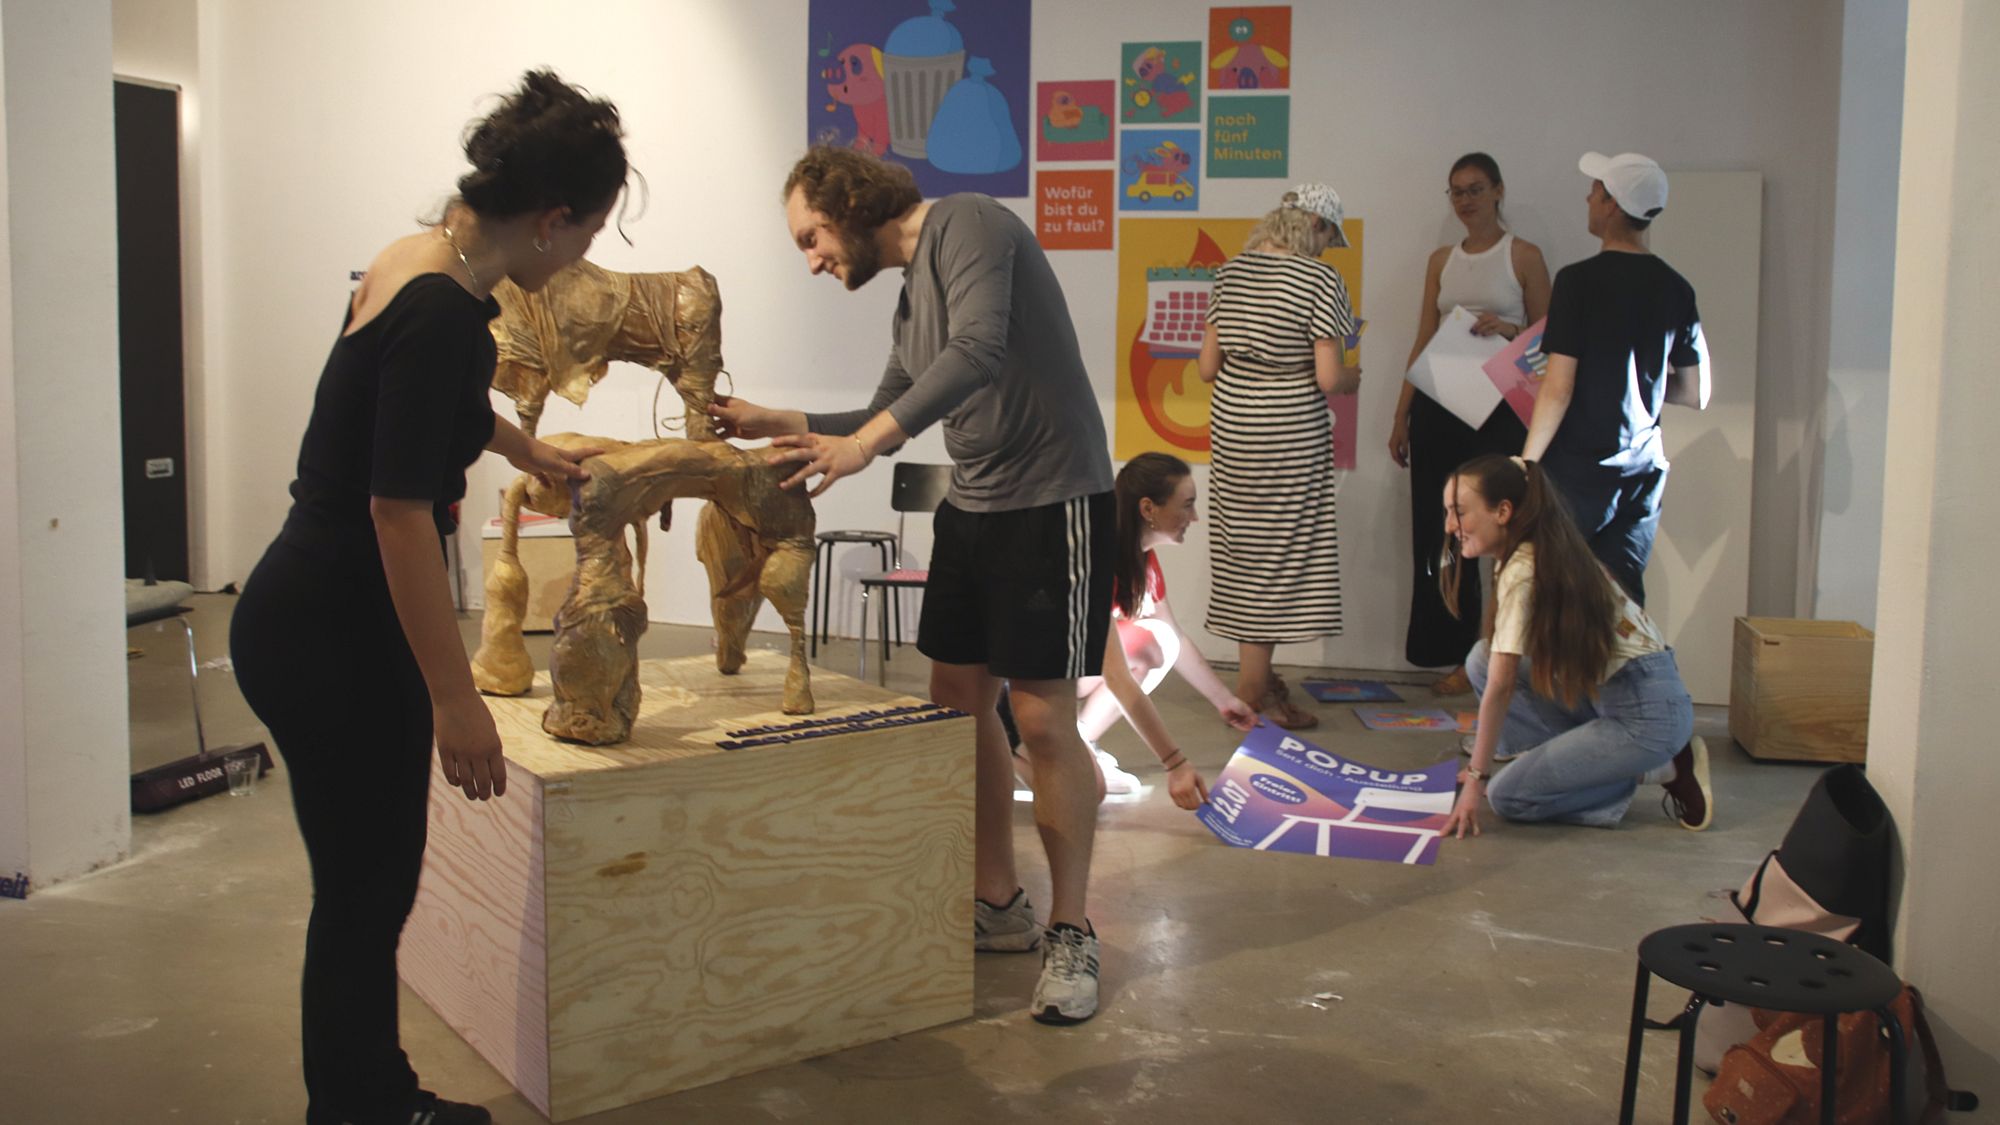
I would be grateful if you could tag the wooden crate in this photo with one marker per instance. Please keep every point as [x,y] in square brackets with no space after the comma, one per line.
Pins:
[1799,689]
[639,919]
[550,561]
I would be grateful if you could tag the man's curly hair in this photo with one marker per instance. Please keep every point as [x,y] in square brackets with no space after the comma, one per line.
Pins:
[857,193]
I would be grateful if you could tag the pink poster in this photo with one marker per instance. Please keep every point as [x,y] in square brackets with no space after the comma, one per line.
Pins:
[1517,369]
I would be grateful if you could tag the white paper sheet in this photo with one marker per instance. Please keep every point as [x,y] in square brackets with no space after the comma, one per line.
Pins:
[1452,368]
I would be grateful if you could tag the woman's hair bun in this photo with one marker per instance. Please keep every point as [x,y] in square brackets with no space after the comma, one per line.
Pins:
[548,144]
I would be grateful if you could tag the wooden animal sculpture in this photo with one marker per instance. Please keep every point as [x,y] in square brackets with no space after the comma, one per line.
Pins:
[502,665]
[565,337]
[754,538]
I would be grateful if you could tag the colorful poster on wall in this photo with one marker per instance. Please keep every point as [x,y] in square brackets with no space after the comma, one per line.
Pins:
[1250,48]
[1073,209]
[940,88]
[1280,793]
[1162,402]
[1073,120]
[1161,84]
[1159,170]
[1250,137]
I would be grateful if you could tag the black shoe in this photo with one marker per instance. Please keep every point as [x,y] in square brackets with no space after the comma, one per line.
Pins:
[433,1110]
[1690,795]
[428,1110]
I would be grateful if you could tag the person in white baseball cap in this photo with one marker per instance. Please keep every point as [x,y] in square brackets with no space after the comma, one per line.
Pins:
[1323,201]
[1634,182]
[1623,338]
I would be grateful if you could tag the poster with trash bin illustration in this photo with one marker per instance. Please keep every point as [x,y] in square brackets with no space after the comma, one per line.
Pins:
[940,86]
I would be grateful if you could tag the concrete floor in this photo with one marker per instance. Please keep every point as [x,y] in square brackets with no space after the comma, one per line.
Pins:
[1237,986]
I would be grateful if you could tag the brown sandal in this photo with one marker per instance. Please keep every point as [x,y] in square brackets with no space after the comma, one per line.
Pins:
[1277,707]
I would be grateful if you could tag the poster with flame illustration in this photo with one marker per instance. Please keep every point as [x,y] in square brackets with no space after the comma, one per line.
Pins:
[1165,269]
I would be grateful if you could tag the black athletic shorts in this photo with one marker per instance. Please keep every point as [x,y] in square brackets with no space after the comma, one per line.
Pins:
[1027,593]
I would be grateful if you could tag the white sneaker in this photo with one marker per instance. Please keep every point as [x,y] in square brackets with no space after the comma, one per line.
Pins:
[1067,991]
[1117,781]
[1007,929]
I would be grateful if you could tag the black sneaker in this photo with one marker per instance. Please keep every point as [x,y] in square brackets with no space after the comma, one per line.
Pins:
[1690,798]
[433,1110]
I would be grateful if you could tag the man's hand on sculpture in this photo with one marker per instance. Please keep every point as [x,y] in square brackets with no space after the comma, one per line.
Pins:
[735,418]
[552,464]
[829,458]
[468,747]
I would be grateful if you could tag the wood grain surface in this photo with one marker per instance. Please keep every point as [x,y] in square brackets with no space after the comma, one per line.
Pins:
[1800,689]
[473,947]
[709,912]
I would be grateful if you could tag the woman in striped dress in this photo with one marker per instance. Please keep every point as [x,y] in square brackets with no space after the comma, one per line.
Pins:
[1276,324]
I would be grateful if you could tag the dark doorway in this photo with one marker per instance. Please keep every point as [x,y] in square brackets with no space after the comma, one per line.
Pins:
[151,380]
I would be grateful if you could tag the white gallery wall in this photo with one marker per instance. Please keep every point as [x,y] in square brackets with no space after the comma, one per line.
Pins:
[326,130]
[64,744]
[1930,739]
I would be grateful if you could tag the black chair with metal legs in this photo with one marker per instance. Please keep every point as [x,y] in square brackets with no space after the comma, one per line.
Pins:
[914,488]
[886,544]
[1763,967]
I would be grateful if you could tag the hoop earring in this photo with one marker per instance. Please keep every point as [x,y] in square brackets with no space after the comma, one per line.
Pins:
[542,245]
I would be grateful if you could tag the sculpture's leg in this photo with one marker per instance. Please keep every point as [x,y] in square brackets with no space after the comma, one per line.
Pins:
[639,557]
[594,666]
[502,665]
[529,411]
[787,573]
[728,553]
[697,391]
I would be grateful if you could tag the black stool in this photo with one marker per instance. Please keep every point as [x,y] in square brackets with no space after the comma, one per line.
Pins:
[885,545]
[1782,970]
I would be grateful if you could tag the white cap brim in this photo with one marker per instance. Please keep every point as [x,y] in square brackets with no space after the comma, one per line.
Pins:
[1594,165]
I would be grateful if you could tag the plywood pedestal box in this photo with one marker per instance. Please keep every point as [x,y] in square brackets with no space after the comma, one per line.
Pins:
[1799,689]
[640,919]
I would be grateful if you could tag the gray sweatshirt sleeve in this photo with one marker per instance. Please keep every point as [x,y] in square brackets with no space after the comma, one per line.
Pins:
[975,270]
[895,383]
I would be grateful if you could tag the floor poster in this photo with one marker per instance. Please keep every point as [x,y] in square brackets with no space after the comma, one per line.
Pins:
[1281,793]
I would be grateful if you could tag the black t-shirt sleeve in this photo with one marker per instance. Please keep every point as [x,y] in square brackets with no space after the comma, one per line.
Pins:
[424,353]
[1567,320]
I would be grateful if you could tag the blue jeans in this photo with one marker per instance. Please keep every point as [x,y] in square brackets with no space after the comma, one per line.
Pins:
[1582,765]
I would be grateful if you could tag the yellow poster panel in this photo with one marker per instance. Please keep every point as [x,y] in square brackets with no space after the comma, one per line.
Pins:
[1162,269]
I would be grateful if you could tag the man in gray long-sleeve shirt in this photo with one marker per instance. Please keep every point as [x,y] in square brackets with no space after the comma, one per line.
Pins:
[1020,578]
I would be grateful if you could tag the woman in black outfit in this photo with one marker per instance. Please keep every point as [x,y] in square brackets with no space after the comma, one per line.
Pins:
[345,641]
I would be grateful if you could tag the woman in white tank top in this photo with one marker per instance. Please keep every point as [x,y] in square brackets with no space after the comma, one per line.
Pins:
[1505,281]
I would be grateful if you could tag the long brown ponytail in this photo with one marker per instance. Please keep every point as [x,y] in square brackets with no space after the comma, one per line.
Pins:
[1149,476]
[1575,609]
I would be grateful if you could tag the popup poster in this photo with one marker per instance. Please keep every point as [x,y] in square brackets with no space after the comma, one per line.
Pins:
[1166,272]
[1280,793]
[940,88]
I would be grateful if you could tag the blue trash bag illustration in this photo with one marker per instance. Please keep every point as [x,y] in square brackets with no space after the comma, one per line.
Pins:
[973,134]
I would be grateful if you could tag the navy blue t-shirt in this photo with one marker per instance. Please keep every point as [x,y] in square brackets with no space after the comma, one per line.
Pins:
[1628,320]
[401,411]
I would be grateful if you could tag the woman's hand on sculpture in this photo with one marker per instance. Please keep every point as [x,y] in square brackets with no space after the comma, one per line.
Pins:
[468,747]
[1185,785]
[1465,812]
[1237,714]
[1399,441]
[829,458]
[1490,325]
[735,418]
[553,464]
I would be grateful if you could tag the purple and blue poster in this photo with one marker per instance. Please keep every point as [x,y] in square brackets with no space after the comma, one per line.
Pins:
[1281,793]
[940,86]
[1159,170]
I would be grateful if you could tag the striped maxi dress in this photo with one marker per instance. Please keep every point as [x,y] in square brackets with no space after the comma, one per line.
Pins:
[1276,549]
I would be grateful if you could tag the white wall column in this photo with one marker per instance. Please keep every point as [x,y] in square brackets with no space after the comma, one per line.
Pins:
[64,740]
[1854,424]
[1930,746]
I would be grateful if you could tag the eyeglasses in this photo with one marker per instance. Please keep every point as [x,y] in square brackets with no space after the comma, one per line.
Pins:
[1476,191]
